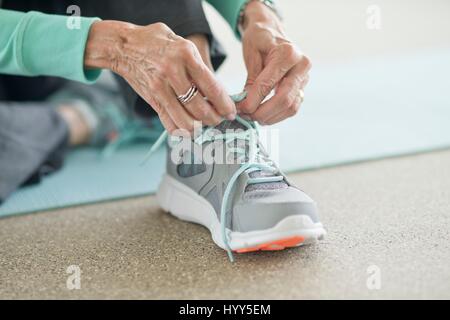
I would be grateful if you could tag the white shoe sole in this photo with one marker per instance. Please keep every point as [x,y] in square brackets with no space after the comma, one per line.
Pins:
[185,204]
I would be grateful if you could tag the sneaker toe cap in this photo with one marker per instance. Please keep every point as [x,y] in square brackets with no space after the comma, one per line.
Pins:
[260,210]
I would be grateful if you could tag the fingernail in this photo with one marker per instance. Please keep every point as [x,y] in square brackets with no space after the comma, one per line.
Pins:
[231,116]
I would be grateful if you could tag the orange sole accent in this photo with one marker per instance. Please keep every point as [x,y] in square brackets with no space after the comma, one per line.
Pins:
[275,245]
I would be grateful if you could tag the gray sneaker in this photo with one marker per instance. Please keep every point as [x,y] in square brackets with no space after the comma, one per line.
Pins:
[244,200]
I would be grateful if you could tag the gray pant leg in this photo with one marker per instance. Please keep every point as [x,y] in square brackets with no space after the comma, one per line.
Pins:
[33,137]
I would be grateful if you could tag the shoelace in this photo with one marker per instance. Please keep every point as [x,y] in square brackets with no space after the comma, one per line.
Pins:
[131,130]
[256,162]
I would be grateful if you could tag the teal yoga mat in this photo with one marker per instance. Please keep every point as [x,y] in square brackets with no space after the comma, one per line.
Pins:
[365,109]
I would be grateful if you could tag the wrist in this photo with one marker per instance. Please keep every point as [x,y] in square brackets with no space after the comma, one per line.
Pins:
[104,44]
[258,12]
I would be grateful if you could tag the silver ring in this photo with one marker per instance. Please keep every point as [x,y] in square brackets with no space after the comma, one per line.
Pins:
[189,95]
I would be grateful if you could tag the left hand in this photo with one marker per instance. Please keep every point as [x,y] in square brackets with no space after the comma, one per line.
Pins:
[273,63]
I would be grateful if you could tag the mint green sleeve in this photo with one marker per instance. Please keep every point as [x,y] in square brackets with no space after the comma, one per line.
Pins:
[229,9]
[35,44]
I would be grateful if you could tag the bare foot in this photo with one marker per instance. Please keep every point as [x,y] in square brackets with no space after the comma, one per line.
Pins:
[79,130]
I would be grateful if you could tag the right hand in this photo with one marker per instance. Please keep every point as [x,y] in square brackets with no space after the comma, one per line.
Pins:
[159,66]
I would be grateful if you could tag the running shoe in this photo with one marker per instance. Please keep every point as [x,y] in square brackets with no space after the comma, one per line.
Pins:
[243,198]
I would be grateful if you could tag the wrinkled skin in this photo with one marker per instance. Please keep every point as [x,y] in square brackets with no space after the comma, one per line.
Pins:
[160,66]
[273,63]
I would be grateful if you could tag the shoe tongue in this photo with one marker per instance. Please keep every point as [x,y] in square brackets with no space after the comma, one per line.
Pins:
[267,186]
[230,125]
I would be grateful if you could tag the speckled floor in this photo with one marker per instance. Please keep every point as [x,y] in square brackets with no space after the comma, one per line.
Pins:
[393,214]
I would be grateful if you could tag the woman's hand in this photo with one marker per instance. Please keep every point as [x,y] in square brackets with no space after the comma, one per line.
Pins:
[273,63]
[160,66]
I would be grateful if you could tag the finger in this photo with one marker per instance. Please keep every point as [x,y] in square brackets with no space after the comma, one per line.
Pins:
[287,93]
[168,101]
[254,68]
[166,121]
[291,111]
[305,81]
[278,63]
[163,115]
[210,88]
[199,108]
[203,111]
